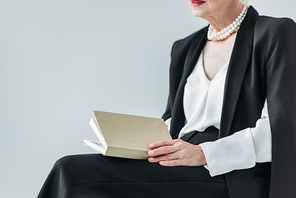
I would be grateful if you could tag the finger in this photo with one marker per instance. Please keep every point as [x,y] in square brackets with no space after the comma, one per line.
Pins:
[162,143]
[168,157]
[164,150]
[171,163]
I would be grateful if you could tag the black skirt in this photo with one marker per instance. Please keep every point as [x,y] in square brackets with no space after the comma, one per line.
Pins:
[94,175]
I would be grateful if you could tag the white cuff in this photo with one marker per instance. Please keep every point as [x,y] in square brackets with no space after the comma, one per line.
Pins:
[230,153]
[168,123]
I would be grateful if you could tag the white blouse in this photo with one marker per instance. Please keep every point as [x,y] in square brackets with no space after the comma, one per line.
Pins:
[203,106]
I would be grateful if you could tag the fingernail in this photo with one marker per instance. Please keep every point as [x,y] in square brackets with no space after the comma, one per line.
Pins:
[152,145]
[151,158]
[161,162]
[151,152]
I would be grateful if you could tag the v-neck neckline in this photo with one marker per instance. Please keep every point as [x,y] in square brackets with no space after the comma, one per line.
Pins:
[204,72]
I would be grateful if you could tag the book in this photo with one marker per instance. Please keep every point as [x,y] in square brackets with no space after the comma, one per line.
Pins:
[126,136]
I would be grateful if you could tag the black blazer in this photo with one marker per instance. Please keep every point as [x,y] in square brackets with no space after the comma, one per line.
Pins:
[262,65]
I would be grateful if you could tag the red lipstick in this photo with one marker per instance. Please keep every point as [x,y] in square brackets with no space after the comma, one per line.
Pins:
[197,3]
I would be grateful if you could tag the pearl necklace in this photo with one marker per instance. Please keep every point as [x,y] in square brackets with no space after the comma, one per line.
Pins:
[226,32]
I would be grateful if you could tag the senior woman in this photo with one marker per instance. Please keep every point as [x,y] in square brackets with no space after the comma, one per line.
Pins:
[231,104]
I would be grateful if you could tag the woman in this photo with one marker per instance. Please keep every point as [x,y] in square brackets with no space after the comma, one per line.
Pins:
[222,82]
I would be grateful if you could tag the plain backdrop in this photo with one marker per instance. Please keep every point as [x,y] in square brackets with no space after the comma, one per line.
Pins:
[60,59]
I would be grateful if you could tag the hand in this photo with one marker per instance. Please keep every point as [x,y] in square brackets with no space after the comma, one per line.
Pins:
[176,153]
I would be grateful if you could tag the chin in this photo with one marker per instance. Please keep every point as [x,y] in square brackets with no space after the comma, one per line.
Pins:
[197,13]
[200,11]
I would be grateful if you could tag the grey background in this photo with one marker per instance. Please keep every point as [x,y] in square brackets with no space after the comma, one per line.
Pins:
[60,59]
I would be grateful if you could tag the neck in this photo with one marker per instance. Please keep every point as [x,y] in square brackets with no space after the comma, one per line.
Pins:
[225,17]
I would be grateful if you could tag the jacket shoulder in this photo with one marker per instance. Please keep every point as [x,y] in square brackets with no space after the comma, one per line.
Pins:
[185,43]
[269,31]
[271,23]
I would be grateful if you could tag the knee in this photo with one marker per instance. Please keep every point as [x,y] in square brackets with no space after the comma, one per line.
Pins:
[65,162]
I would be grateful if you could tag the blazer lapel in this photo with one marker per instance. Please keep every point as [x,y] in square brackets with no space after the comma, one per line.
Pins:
[197,44]
[239,61]
[193,56]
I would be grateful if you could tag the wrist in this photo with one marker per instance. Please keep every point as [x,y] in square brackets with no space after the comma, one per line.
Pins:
[202,157]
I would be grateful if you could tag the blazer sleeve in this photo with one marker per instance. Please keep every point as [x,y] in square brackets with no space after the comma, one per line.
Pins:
[281,98]
[167,113]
